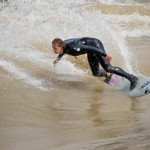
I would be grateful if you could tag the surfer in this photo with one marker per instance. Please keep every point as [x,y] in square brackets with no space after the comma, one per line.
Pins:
[95,54]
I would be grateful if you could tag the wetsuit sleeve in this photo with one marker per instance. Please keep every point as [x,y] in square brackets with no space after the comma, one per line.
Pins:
[91,49]
[60,56]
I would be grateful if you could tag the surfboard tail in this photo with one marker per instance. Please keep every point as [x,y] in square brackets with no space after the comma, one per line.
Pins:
[142,88]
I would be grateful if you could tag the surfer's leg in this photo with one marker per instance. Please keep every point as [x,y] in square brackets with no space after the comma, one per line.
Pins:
[116,70]
[94,65]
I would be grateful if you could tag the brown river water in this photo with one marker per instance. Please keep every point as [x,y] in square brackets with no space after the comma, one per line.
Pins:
[65,108]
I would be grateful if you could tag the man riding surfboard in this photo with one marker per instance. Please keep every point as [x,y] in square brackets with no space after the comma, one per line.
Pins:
[95,54]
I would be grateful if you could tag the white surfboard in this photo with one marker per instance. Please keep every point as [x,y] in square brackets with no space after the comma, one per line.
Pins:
[142,88]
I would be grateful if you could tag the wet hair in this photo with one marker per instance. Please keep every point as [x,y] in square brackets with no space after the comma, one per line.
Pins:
[59,42]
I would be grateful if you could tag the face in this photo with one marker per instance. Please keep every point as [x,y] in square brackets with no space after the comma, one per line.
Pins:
[57,49]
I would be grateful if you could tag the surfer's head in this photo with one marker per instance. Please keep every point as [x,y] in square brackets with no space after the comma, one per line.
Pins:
[58,45]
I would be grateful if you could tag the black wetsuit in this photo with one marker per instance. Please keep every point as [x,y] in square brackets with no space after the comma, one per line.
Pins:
[95,53]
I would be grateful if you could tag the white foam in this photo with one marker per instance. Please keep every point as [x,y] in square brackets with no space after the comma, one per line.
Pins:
[124,50]
[131,18]
[65,67]
[108,1]
[120,2]
[29,21]
[133,25]
[22,75]
[46,61]
[135,33]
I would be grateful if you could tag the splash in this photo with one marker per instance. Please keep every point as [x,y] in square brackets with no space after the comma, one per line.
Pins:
[28,27]
[20,74]
[127,2]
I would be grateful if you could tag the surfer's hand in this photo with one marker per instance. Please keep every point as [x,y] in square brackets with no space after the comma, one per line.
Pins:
[55,62]
[108,57]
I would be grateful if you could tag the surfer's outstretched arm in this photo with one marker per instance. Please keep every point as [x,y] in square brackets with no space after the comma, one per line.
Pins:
[92,50]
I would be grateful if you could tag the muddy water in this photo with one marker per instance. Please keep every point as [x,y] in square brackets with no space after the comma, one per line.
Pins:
[65,108]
